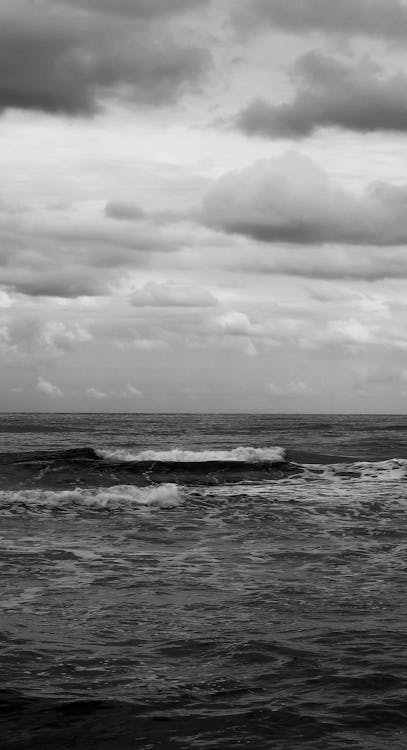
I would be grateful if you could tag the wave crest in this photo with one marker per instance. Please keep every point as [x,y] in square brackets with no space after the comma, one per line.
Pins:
[244,455]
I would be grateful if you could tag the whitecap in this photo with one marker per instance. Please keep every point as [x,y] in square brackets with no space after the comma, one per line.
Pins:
[242,454]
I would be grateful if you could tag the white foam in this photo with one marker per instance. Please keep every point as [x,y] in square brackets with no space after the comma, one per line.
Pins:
[393,469]
[119,497]
[240,455]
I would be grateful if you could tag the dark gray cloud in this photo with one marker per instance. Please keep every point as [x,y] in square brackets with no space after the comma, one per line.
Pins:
[68,283]
[332,94]
[142,9]
[290,199]
[124,211]
[57,59]
[377,18]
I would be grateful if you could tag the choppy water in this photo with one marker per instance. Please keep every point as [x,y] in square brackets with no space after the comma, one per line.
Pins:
[214,599]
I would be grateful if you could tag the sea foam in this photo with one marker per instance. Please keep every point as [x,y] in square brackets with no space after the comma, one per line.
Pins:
[242,454]
[394,469]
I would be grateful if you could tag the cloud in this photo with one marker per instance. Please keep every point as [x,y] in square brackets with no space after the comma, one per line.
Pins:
[355,334]
[351,331]
[236,324]
[249,349]
[291,199]
[40,340]
[62,337]
[172,294]
[96,394]
[140,9]
[72,256]
[5,300]
[124,211]
[369,303]
[67,282]
[131,392]
[146,345]
[334,263]
[332,94]
[48,389]
[63,60]
[375,18]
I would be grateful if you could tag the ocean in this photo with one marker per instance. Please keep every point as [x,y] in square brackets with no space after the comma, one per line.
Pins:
[203,581]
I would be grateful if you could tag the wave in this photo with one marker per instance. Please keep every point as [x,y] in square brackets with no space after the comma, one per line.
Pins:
[116,498]
[93,467]
[129,498]
[243,455]
[134,478]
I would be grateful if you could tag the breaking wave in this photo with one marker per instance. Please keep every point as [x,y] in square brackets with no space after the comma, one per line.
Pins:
[244,455]
[120,497]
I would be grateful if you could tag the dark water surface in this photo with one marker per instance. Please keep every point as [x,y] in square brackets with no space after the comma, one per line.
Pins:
[161,589]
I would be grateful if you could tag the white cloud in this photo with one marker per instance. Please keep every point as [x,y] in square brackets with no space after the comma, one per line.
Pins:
[236,324]
[351,331]
[48,389]
[144,344]
[96,393]
[131,392]
[5,300]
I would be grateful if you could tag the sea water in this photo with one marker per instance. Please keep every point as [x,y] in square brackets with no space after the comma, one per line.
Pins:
[202,581]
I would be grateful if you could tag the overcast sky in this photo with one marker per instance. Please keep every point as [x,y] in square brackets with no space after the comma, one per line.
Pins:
[203,205]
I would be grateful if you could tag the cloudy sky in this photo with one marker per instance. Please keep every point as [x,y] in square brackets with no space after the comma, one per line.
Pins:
[203,205]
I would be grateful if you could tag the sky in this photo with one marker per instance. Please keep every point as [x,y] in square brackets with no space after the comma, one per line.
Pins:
[203,205]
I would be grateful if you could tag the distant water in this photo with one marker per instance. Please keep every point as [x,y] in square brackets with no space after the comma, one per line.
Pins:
[205,582]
